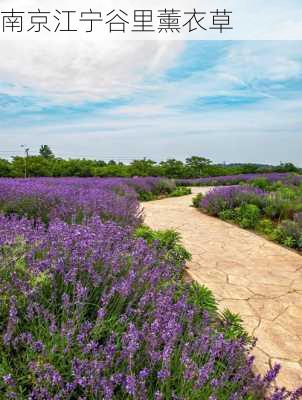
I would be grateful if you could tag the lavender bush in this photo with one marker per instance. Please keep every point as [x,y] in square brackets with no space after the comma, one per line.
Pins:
[225,198]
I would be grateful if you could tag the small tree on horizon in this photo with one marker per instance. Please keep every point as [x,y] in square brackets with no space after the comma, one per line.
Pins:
[45,152]
[197,164]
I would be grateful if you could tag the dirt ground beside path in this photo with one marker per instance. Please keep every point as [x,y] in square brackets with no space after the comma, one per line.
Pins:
[248,274]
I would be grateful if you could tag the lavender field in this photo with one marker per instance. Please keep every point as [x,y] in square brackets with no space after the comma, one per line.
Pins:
[93,304]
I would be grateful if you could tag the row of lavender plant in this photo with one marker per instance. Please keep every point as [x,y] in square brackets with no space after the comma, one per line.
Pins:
[90,311]
[78,199]
[237,179]
[275,212]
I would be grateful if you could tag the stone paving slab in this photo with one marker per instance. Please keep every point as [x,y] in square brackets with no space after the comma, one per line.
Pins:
[248,274]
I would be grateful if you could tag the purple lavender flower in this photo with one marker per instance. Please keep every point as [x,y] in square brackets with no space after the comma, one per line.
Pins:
[8,380]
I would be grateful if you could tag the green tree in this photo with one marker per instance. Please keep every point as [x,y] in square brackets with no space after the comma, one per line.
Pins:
[172,168]
[287,167]
[46,152]
[112,170]
[143,167]
[196,165]
[35,166]
[5,168]
[79,167]
[111,162]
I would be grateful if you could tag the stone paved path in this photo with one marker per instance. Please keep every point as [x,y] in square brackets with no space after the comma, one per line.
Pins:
[248,274]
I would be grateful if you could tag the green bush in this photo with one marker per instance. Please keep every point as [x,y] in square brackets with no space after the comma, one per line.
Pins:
[197,199]
[146,196]
[288,233]
[232,326]
[165,186]
[180,191]
[167,240]
[227,215]
[261,183]
[265,226]
[248,215]
[276,186]
[291,228]
[298,207]
[264,184]
[289,242]
[202,297]
[280,206]
[276,235]
[288,193]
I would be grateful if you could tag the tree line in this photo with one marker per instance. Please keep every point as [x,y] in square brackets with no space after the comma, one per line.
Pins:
[47,164]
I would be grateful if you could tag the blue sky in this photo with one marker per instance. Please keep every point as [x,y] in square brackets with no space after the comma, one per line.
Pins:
[229,101]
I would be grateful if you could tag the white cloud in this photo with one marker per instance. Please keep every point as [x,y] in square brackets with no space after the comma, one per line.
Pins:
[272,61]
[75,72]
[247,69]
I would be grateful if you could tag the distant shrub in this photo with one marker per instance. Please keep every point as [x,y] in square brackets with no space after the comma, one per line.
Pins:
[152,188]
[288,233]
[288,193]
[261,183]
[267,185]
[248,215]
[227,215]
[280,205]
[197,199]
[146,196]
[165,186]
[180,191]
